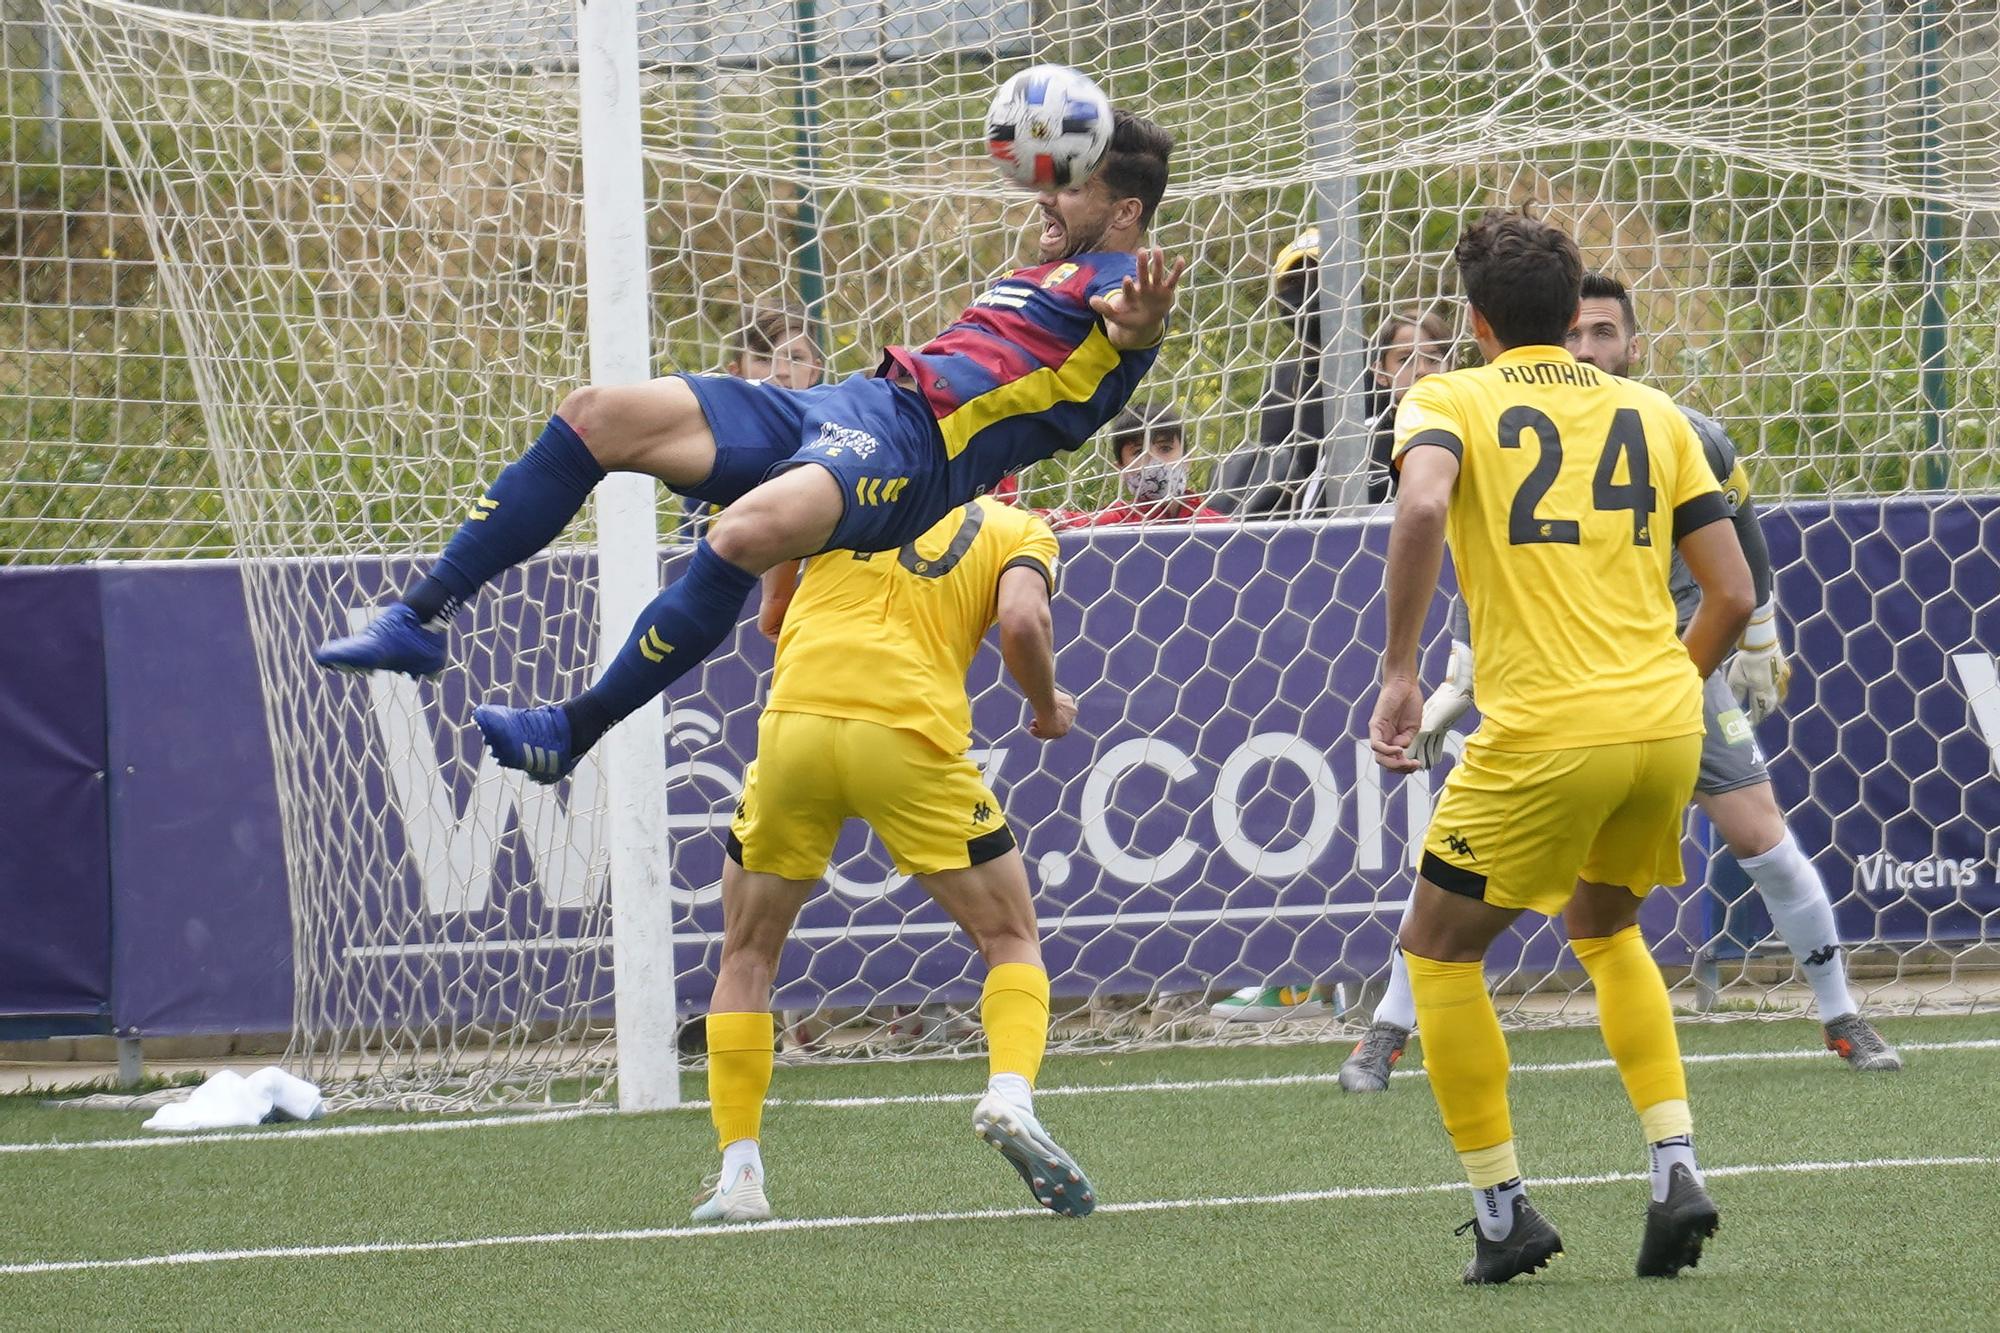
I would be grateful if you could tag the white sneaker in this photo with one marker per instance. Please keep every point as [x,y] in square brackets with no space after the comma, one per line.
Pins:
[743,1201]
[1053,1176]
[1268,1004]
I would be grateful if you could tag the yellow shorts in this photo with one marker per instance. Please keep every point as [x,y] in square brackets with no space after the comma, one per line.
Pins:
[932,810]
[1518,830]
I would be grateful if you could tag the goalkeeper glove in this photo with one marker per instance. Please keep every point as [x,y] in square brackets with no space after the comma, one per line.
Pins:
[1445,706]
[1758,674]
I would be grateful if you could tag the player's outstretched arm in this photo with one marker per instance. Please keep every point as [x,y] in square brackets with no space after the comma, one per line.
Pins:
[1715,558]
[1028,647]
[1416,556]
[1135,316]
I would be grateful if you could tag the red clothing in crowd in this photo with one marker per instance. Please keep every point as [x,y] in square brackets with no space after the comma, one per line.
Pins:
[1180,509]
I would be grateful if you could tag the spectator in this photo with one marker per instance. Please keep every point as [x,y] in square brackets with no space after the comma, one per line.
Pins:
[1409,344]
[1273,475]
[1150,446]
[777,344]
[1266,476]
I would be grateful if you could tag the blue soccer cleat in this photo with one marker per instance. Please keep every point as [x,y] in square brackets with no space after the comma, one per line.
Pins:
[393,641]
[533,740]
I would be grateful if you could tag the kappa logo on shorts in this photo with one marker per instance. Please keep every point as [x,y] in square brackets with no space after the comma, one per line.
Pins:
[835,440]
[981,813]
[1458,844]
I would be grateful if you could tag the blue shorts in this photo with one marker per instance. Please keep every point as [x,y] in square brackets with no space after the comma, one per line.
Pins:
[879,440]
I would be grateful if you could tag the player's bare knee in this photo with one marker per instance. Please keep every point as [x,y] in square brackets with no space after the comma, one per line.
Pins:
[616,427]
[1748,819]
[1598,911]
[583,410]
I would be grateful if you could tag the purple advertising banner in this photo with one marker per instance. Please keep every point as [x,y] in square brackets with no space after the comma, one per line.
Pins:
[201,938]
[55,880]
[1215,819]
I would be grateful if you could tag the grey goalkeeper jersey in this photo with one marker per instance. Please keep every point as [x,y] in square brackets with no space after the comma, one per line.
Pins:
[1720,451]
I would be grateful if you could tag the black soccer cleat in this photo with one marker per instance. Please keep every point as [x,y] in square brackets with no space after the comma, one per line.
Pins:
[1676,1226]
[1526,1249]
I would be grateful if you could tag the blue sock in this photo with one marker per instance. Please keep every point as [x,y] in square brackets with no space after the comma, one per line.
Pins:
[527,507]
[680,627]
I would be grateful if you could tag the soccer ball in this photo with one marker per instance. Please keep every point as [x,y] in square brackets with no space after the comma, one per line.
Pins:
[1048,128]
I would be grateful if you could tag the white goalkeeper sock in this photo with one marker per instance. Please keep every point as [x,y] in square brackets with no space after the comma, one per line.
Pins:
[1398,1006]
[1799,909]
[738,1155]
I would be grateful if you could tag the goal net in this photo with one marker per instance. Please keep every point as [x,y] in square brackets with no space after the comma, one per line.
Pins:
[368,229]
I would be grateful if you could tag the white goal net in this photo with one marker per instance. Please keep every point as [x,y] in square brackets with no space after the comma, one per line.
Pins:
[369,233]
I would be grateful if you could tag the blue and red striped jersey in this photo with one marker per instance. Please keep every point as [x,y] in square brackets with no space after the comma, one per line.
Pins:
[1026,372]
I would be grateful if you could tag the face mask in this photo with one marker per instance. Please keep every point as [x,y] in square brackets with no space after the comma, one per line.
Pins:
[1156,479]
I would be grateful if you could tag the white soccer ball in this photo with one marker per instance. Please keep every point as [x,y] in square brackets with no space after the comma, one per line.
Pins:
[1048,128]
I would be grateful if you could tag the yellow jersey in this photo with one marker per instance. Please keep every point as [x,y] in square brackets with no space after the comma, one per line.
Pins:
[1573,487]
[887,637]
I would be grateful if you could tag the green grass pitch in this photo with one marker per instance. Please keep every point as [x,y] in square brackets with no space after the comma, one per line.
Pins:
[1232,1200]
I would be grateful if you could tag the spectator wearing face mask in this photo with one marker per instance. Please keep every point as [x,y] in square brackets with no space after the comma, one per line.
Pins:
[1150,446]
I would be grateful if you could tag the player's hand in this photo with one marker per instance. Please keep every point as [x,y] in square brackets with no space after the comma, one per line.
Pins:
[781,581]
[1444,707]
[1135,315]
[1758,674]
[1398,713]
[1055,723]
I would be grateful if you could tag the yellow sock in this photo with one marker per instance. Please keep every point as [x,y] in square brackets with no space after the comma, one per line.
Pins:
[1014,1010]
[1465,1054]
[739,1074]
[1638,1024]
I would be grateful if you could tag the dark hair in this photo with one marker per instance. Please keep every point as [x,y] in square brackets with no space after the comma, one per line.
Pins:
[1522,274]
[1135,165]
[1142,419]
[1430,326]
[772,327]
[1604,287]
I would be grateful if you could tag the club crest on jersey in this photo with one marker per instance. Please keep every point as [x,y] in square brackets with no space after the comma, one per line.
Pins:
[835,440]
[1059,275]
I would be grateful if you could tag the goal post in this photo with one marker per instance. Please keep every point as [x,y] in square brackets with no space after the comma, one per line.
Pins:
[617,270]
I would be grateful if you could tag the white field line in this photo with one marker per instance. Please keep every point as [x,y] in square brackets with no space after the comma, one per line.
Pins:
[503,1121]
[186,1258]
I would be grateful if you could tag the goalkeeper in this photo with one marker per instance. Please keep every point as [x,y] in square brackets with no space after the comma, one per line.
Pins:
[868,716]
[1034,367]
[1734,787]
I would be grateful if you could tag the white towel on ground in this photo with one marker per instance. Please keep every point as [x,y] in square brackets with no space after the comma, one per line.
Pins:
[228,1100]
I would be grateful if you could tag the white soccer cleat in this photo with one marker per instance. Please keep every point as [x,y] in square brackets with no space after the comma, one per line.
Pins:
[1053,1176]
[743,1201]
